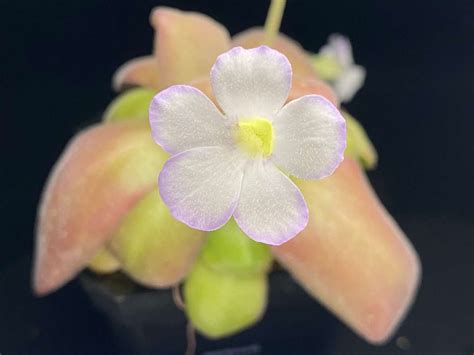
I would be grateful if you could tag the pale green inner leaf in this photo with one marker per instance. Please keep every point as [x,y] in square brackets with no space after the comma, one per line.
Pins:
[131,105]
[359,146]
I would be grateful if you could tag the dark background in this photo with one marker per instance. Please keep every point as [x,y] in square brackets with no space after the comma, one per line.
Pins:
[57,59]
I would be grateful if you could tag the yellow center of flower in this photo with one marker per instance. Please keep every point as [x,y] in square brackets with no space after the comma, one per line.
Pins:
[255,135]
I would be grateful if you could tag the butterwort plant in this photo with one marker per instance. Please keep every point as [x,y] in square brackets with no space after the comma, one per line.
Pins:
[257,163]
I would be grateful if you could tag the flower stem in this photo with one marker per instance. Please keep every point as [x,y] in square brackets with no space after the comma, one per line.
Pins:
[273,21]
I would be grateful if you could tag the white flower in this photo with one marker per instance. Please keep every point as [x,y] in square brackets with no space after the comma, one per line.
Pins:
[349,77]
[228,164]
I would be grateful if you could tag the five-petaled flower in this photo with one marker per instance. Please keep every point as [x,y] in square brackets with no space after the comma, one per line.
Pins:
[237,163]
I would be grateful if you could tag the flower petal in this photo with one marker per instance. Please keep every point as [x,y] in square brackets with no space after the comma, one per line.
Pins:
[249,82]
[339,47]
[182,117]
[347,85]
[271,208]
[186,44]
[141,71]
[201,186]
[296,54]
[310,137]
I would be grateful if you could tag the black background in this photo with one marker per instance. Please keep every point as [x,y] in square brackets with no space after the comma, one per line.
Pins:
[57,59]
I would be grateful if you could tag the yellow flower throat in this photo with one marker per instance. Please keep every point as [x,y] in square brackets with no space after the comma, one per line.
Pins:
[255,135]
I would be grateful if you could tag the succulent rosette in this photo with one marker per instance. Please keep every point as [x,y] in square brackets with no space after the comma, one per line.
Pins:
[277,153]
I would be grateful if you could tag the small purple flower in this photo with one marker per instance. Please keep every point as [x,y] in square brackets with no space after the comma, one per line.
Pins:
[350,76]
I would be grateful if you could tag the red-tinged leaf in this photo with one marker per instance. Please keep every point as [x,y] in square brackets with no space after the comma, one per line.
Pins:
[103,172]
[186,44]
[353,257]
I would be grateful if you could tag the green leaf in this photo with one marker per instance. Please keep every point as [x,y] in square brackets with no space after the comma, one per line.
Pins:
[104,262]
[359,145]
[229,250]
[153,248]
[220,304]
[131,105]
